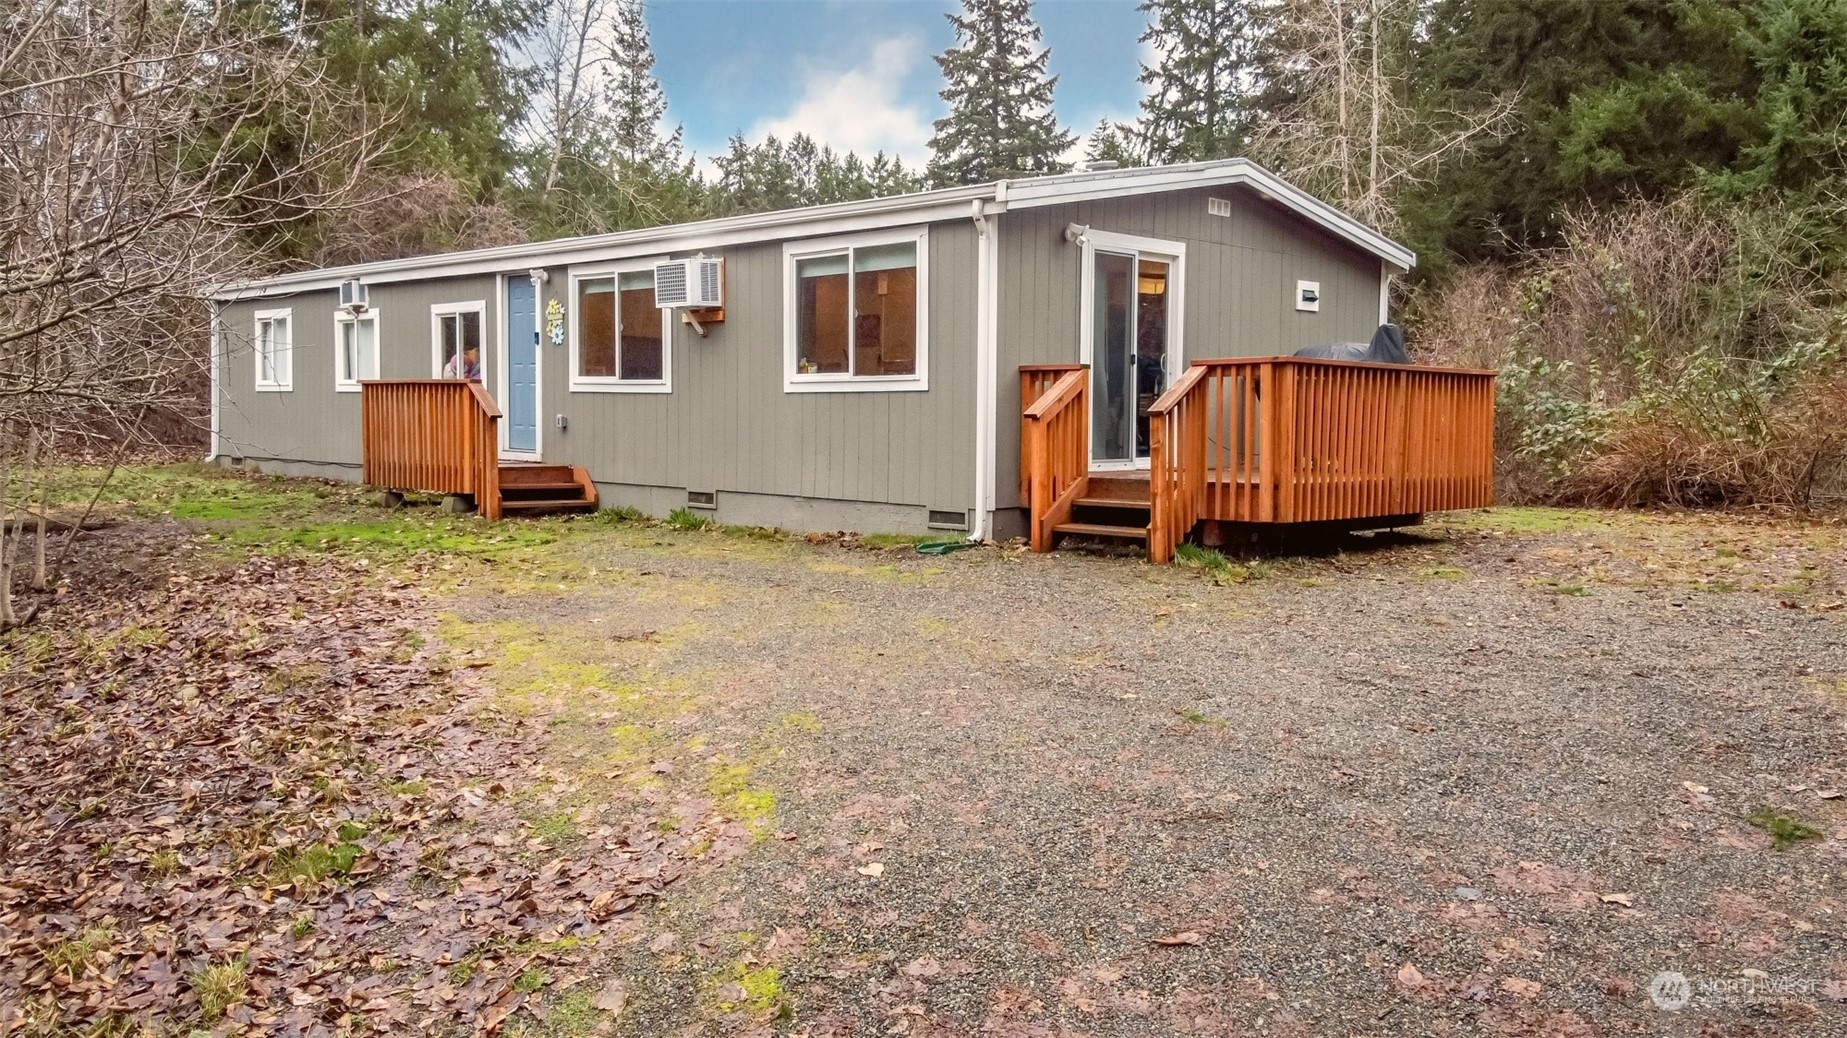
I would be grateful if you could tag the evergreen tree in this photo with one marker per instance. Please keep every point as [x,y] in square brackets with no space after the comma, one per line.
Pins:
[1200,90]
[638,106]
[1111,142]
[773,175]
[1000,122]
[653,178]
[1615,100]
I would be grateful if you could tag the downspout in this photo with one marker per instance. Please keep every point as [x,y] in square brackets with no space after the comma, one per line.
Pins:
[987,351]
[211,447]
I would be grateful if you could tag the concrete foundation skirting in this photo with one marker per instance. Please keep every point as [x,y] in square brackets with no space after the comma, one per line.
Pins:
[784,512]
[301,469]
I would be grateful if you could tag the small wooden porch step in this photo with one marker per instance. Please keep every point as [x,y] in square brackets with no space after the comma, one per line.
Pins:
[536,506]
[1138,503]
[1127,533]
[529,489]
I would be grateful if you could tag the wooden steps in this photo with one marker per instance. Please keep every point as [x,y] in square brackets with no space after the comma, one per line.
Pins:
[1126,533]
[1114,506]
[528,489]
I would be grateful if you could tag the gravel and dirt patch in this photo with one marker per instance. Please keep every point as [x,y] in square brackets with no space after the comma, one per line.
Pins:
[1489,779]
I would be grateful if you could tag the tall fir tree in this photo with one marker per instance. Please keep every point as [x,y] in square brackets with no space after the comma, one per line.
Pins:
[654,179]
[638,106]
[1201,89]
[1000,122]
[1112,142]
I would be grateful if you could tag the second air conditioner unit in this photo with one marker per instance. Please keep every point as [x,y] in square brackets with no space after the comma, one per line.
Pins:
[692,284]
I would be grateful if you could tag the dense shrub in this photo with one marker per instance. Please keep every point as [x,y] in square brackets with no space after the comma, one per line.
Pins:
[1666,353]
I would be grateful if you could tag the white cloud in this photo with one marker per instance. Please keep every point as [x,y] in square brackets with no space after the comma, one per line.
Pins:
[861,109]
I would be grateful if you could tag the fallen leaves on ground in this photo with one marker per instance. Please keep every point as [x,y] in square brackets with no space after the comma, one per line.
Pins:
[255,801]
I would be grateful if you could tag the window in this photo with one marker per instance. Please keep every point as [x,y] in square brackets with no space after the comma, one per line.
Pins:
[455,339]
[855,314]
[355,349]
[275,346]
[620,340]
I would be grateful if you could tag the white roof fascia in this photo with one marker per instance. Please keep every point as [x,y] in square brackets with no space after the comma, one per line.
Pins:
[783,225]
[840,218]
[1060,190]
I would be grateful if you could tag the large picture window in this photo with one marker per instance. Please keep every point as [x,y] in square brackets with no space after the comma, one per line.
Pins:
[456,339]
[274,343]
[855,314]
[620,339]
[355,349]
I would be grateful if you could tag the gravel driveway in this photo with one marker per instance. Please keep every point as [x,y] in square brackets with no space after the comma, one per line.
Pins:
[1473,782]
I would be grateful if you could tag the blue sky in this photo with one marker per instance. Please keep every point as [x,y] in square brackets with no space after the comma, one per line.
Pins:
[858,74]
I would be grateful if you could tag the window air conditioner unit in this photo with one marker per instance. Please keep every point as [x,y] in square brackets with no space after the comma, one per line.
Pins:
[692,284]
[353,297]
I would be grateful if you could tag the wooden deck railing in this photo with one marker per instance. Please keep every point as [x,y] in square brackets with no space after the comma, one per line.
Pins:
[1177,470]
[1054,444]
[1292,439]
[433,435]
[1035,379]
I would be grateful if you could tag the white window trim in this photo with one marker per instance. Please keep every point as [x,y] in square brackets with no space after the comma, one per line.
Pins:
[285,356]
[796,382]
[438,311]
[341,318]
[610,383]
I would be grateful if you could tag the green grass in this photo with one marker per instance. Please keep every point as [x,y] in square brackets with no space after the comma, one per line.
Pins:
[622,514]
[687,519]
[895,540]
[395,537]
[571,1015]
[310,865]
[1202,558]
[1442,573]
[1526,519]
[1195,717]
[220,987]
[71,957]
[1785,830]
[555,828]
[1222,570]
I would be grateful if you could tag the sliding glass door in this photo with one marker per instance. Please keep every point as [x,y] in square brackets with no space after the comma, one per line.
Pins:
[1131,342]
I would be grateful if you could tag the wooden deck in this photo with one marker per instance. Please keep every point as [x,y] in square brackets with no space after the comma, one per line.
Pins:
[442,436]
[1346,442]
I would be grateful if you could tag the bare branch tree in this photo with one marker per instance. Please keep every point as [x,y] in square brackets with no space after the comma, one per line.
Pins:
[1348,129]
[137,160]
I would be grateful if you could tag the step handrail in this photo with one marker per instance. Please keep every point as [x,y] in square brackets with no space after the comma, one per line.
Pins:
[439,436]
[1055,448]
[1176,463]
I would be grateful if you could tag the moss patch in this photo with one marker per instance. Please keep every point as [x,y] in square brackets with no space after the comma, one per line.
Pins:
[1785,830]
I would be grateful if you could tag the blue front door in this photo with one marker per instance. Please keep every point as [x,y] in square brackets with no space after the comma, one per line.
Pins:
[522,401]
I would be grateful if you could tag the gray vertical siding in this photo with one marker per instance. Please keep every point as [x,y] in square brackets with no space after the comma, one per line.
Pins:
[313,424]
[1240,287]
[727,426]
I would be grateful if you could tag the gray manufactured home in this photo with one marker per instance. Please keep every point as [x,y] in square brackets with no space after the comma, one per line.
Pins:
[864,366]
